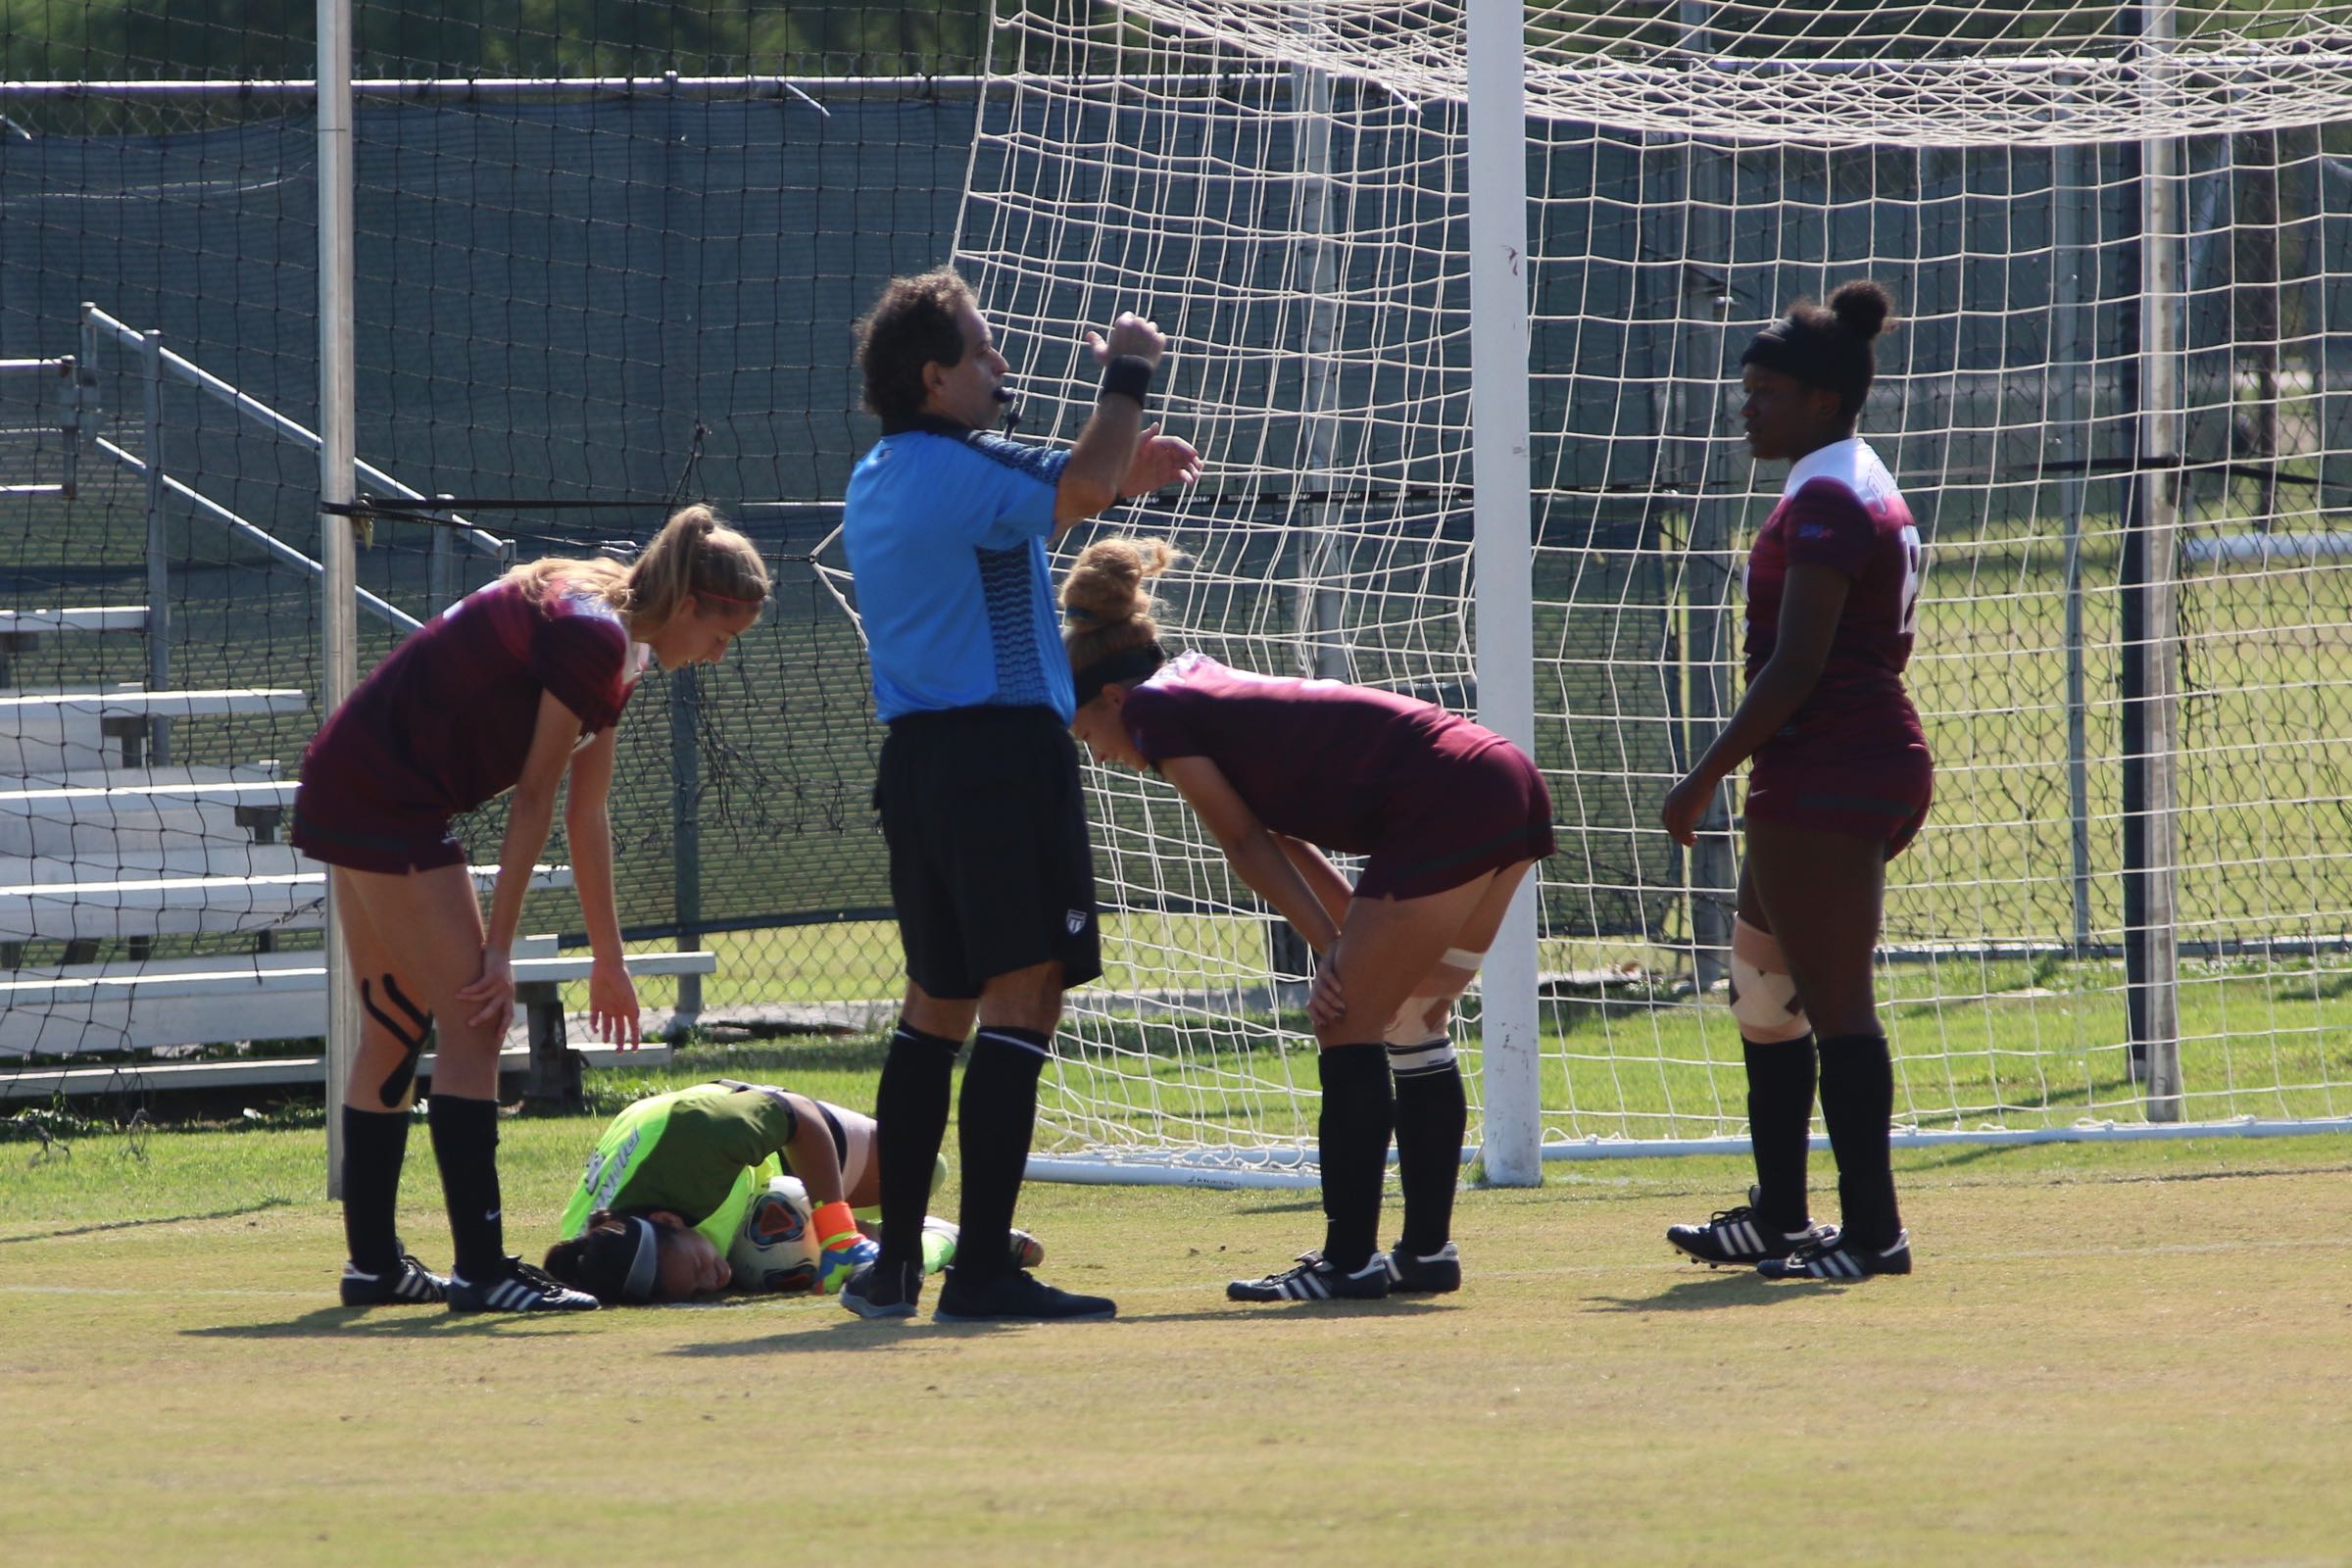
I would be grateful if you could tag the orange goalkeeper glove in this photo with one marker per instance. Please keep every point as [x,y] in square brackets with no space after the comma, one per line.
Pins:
[843,1249]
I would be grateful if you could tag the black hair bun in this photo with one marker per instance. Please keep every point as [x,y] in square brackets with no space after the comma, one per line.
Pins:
[1862,308]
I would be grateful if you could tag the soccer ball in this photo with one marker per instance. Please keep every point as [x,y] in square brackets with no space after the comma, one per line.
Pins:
[775,1248]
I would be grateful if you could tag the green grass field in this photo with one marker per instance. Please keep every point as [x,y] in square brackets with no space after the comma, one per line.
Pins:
[2123,1355]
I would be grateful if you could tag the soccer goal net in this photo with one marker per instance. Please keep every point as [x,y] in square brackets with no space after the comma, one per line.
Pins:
[2119,400]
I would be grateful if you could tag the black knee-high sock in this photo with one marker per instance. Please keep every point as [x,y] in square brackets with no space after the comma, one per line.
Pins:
[910,1118]
[1857,1103]
[1780,1119]
[1358,1114]
[992,1127]
[465,1147]
[1432,1115]
[376,1144]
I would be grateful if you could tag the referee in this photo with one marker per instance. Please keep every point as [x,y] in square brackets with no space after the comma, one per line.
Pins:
[990,869]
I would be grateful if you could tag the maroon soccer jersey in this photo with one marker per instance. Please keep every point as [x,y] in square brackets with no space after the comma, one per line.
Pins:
[1343,766]
[1840,509]
[445,722]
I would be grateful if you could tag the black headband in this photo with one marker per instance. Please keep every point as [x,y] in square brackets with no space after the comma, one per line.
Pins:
[1128,664]
[1833,360]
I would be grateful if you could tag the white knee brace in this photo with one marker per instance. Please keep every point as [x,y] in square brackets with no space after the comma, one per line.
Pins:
[1764,996]
[1421,1021]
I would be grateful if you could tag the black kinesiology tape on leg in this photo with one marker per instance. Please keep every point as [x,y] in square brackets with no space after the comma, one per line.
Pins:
[395,1090]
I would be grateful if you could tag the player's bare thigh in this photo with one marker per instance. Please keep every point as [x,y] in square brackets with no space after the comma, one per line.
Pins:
[1386,948]
[1447,981]
[1821,895]
[437,948]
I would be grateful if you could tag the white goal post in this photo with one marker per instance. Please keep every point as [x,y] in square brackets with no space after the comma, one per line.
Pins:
[1461,356]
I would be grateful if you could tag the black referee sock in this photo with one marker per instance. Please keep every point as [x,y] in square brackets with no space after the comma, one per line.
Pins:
[465,1147]
[1433,1113]
[1353,1130]
[911,1117]
[1857,1103]
[376,1144]
[1780,1120]
[994,1123]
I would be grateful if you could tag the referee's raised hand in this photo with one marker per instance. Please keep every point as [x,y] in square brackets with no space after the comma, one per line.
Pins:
[1132,335]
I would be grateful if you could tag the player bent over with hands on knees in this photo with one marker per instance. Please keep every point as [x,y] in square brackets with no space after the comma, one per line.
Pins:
[1450,816]
[991,870]
[1839,784]
[730,1185]
[514,687]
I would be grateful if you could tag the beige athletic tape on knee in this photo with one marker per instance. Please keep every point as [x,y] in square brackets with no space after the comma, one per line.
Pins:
[1764,998]
[1411,1027]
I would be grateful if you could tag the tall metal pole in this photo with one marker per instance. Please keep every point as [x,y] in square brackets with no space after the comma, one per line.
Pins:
[2149,614]
[1320,601]
[1502,551]
[686,835]
[2072,357]
[338,621]
[1320,604]
[159,556]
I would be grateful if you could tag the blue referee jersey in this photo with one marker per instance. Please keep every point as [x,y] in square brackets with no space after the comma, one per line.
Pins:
[945,530]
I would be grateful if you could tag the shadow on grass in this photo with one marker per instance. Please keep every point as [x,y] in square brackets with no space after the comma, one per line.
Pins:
[1711,1291]
[857,1335]
[160,1219]
[348,1322]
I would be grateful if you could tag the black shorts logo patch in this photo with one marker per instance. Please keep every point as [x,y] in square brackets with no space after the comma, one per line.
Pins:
[1075,921]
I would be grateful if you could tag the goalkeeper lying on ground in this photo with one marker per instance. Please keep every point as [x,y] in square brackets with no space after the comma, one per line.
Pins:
[672,1179]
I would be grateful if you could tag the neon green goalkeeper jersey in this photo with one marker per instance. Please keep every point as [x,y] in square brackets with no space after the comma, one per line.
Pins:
[700,1152]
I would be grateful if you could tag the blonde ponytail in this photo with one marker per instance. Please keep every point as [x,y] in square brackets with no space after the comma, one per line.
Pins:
[695,555]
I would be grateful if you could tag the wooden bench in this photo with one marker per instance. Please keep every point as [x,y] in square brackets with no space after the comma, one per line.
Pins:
[274,996]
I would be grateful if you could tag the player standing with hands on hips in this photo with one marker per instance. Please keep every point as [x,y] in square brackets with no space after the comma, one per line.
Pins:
[991,870]
[1838,785]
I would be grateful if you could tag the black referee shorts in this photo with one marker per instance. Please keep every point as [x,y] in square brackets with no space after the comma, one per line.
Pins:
[990,866]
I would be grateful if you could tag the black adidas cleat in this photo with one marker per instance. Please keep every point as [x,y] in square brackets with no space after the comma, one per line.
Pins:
[1016,1297]
[1837,1260]
[1434,1275]
[880,1290]
[517,1287]
[1314,1280]
[410,1284]
[1742,1238]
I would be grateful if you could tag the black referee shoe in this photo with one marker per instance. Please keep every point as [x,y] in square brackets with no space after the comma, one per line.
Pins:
[1016,1297]
[1837,1258]
[1742,1237]
[408,1283]
[1434,1275]
[883,1290]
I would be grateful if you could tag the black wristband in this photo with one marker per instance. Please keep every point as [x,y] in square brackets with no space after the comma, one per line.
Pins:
[1127,377]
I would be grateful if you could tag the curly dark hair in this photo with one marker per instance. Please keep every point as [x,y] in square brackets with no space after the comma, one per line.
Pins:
[912,324]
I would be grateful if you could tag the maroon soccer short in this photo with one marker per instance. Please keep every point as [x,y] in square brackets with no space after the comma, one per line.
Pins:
[1884,797]
[340,820]
[1459,817]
